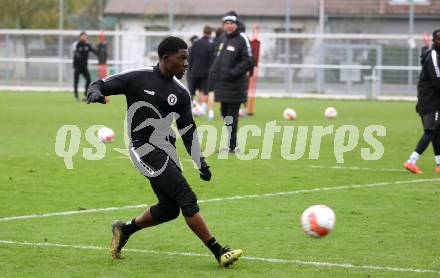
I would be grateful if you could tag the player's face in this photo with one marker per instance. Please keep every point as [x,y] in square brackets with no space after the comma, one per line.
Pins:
[436,40]
[83,37]
[230,26]
[177,63]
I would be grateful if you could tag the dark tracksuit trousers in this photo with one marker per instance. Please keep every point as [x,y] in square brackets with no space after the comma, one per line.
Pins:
[86,74]
[231,110]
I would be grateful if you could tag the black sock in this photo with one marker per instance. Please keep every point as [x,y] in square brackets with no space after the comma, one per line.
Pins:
[130,228]
[214,246]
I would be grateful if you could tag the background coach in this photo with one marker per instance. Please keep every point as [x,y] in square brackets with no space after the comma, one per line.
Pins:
[229,74]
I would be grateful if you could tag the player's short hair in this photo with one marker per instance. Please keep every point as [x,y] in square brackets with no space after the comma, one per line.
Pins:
[435,32]
[170,45]
[207,30]
[82,33]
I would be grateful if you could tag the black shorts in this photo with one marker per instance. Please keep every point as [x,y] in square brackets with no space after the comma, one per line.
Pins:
[431,120]
[198,83]
[171,188]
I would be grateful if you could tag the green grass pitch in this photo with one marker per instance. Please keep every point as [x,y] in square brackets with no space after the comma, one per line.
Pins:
[389,229]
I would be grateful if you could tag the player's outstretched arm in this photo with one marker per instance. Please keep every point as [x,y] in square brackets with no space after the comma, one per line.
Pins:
[93,50]
[188,132]
[433,69]
[246,62]
[113,85]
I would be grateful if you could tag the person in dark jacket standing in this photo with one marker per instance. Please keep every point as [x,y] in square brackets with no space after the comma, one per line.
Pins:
[192,40]
[215,44]
[428,105]
[81,51]
[199,62]
[229,74]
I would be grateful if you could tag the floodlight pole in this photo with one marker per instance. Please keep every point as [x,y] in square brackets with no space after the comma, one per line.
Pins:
[410,43]
[321,16]
[60,43]
[320,72]
[288,75]
[170,15]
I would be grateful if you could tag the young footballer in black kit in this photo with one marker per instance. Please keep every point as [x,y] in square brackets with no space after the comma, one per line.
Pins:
[154,97]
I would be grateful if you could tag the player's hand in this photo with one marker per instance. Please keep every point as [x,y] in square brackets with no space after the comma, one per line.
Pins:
[95,96]
[205,173]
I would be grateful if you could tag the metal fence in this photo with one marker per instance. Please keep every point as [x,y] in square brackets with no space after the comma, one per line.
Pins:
[293,64]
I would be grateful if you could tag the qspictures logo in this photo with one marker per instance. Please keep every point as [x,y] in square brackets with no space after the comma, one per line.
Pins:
[297,142]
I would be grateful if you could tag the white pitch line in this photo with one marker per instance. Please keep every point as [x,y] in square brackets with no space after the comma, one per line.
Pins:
[318,189]
[190,254]
[357,168]
[71,212]
[232,198]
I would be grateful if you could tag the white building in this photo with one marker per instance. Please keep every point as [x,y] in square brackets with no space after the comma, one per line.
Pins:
[190,16]
[341,16]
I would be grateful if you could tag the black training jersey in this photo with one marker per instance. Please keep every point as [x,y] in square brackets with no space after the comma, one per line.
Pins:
[428,88]
[153,102]
[81,54]
[200,57]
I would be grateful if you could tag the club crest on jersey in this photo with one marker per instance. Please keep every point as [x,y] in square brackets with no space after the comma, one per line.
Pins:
[172,99]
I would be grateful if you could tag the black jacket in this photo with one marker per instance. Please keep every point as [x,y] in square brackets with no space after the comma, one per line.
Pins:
[199,60]
[428,89]
[215,44]
[81,54]
[229,69]
[102,53]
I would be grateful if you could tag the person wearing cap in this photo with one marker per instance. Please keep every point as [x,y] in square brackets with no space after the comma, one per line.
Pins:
[81,49]
[229,72]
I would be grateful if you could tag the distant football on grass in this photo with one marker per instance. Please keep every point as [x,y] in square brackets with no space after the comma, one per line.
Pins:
[330,113]
[106,134]
[318,220]
[289,114]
